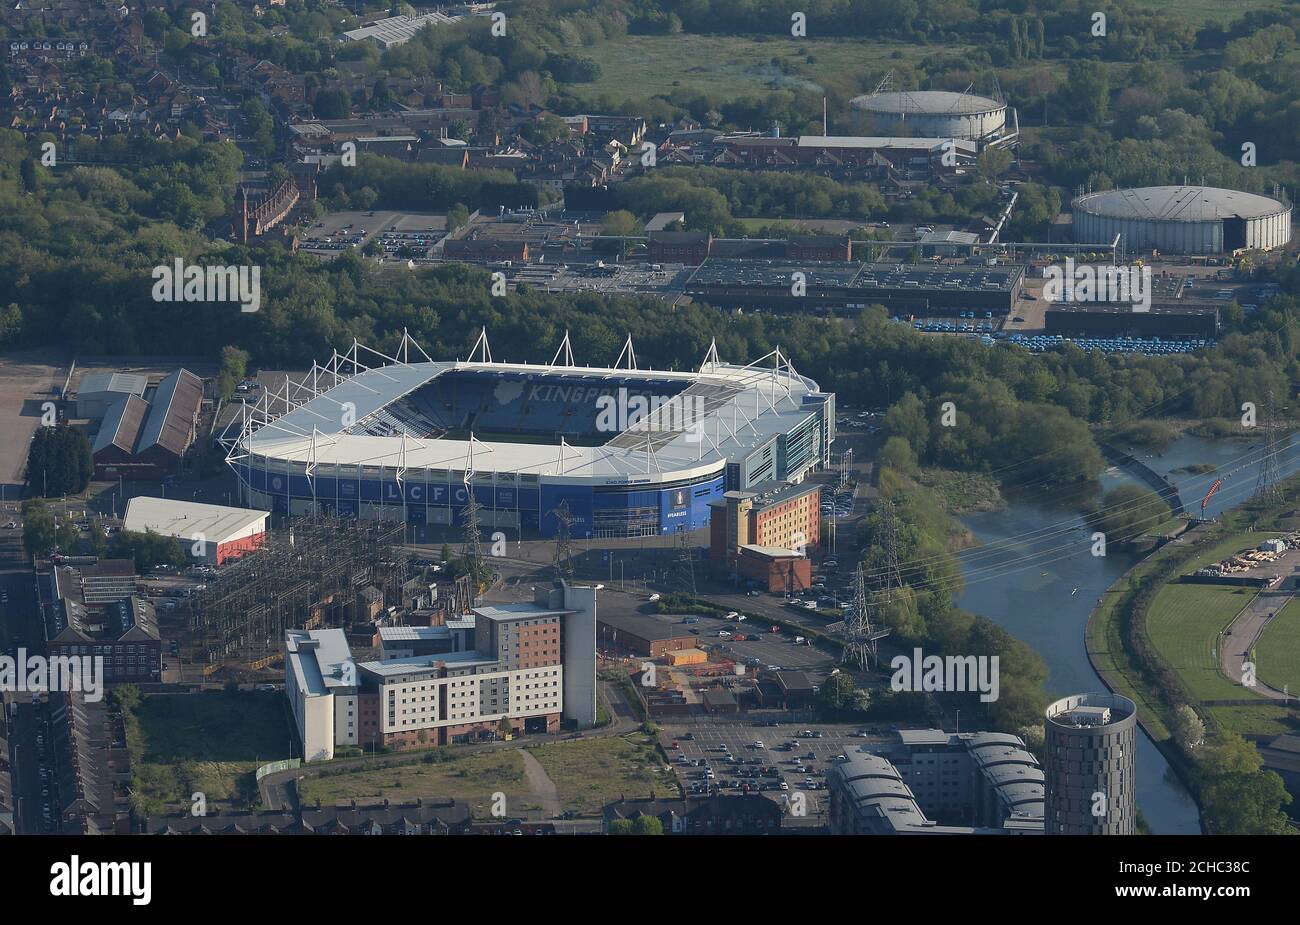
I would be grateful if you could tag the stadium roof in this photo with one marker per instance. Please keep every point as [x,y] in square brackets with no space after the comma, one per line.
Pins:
[184,519]
[745,406]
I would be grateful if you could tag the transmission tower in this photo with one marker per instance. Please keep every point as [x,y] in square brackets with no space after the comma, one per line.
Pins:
[563,561]
[682,579]
[1267,486]
[893,576]
[861,637]
[472,549]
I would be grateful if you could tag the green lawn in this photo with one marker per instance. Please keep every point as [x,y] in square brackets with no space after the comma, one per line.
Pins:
[588,773]
[208,742]
[729,67]
[1277,653]
[1184,624]
[473,778]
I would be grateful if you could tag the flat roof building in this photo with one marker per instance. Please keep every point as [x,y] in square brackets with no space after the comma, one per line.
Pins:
[212,533]
[636,634]
[530,665]
[979,783]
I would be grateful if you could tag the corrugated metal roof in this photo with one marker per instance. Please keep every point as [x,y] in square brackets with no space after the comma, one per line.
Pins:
[172,413]
[121,425]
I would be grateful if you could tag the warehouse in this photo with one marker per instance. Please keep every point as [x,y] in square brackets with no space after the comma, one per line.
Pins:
[1165,322]
[140,439]
[97,392]
[210,533]
[785,285]
[1182,220]
[651,637]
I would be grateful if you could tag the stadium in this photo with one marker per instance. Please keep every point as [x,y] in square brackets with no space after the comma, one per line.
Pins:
[631,452]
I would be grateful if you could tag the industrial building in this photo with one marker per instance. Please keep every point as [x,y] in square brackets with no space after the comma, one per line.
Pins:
[651,637]
[210,533]
[97,392]
[531,665]
[810,286]
[1182,220]
[1090,765]
[397,30]
[935,113]
[146,439]
[977,783]
[1167,322]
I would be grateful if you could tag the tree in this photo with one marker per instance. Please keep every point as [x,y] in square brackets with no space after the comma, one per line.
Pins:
[39,530]
[234,367]
[332,104]
[27,170]
[59,461]
[647,825]
[836,694]
[1238,797]
[897,454]
[1129,511]
[11,325]
[1089,83]
[1188,730]
[621,827]
[147,550]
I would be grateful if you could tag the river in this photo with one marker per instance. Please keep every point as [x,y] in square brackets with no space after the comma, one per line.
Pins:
[1045,600]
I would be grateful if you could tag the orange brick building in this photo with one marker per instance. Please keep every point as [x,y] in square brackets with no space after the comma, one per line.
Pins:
[773,516]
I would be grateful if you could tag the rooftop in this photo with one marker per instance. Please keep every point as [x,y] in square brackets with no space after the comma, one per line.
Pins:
[1179,203]
[189,520]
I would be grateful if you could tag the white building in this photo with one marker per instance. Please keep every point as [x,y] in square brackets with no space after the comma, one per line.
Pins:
[321,684]
[532,665]
[210,533]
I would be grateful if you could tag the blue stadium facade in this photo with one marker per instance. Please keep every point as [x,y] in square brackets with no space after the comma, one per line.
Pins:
[414,441]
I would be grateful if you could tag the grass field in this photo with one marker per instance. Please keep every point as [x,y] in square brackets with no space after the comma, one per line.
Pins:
[589,773]
[1278,652]
[1184,623]
[207,742]
[472,778]
[728,67]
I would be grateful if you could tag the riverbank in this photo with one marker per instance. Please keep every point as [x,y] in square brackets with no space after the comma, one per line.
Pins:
[1117,626]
